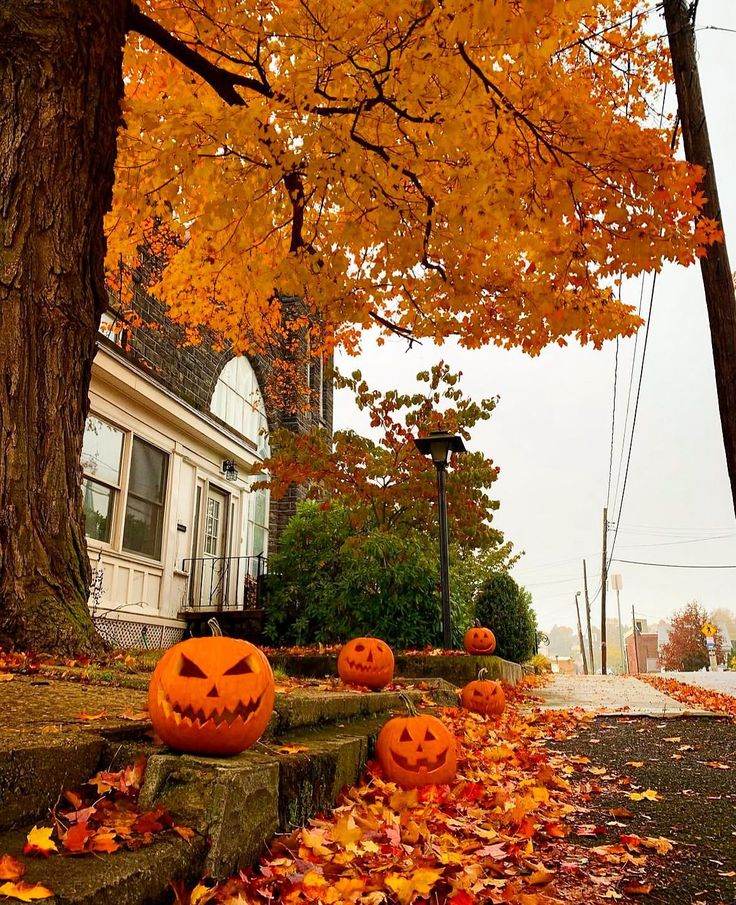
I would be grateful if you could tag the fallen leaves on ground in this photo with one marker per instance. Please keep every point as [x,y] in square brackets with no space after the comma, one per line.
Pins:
[25,892]
[701,698]
[500,834]
[101,818]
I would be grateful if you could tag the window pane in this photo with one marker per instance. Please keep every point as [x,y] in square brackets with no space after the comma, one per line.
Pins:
[98,509]
[102,450]
[259,540]
[143,527]
[147,472]
[259,512]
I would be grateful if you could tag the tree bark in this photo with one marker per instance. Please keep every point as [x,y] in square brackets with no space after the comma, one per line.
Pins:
[60,93]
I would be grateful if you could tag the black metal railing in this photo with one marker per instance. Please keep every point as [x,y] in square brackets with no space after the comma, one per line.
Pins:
[225,582]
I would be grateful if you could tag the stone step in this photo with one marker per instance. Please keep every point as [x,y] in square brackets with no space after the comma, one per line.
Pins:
[36,764]
[139,877]
[456,669]
[236,804]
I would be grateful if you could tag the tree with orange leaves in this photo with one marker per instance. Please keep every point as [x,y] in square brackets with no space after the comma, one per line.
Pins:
[474,168]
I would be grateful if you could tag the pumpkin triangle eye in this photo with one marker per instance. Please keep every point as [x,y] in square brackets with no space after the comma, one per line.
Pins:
[241,668]
[405,736]
[188,669]
[429,736]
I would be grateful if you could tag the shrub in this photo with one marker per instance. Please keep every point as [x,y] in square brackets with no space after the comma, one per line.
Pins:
[329,583]
[506,609]
[541,663]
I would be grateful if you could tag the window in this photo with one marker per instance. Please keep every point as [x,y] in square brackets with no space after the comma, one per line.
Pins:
[109,480]
[144,514]
[102,454]
[258,521]
[237,400]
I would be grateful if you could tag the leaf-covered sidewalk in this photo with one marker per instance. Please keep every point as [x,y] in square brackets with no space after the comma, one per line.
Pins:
[511,829]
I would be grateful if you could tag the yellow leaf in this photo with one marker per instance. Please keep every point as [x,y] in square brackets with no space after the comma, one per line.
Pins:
[419,883]
[25,892]
[649,795]
[346,832]
[39,841]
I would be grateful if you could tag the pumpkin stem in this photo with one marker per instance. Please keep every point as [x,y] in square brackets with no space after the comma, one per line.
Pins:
[482,672]
[408,703]
[477,623]
[215,627]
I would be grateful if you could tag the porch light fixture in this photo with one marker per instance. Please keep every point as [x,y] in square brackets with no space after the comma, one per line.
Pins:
[229,470]
[439,446]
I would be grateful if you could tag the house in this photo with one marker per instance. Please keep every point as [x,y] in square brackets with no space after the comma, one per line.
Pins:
[642,649]
[176,529]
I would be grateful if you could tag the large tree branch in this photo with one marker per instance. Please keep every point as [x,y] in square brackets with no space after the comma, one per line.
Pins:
[222,80]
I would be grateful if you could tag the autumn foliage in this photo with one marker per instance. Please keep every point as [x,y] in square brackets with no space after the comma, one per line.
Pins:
[686,647]
[485,170]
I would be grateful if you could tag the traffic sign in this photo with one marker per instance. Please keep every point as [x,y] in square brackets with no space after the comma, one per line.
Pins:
[709,630]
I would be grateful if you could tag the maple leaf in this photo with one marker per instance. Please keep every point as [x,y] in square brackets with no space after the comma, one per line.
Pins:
[76,838]
[104,841]
[91,717]
[25,892]
[635,763]
[648,795]
[346,832]
[11,868]
[292,749]
[39,842]
[638,889]
[419,883]
[186,832]
[6,676]
[134,715]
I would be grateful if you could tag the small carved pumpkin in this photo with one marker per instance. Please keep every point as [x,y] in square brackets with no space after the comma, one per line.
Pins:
[417,751]
[484,696]
[366,661]
[211,696]
[479,640]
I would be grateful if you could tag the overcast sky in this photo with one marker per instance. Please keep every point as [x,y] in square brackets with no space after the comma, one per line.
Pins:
[551,432]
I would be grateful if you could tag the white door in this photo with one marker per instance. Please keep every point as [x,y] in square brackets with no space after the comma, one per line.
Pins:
[214,559]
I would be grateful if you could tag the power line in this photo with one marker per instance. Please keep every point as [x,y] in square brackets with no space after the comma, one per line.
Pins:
[672,565]
[613,426]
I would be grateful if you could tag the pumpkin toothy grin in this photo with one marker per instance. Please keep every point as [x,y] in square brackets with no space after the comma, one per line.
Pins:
[421,763]
[365,667]
[198,718]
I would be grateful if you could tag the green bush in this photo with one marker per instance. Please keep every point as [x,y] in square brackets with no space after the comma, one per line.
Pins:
[506,609]
[329,583]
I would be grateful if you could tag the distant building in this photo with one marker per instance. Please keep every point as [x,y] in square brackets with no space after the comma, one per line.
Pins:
[175,527]
[642,649]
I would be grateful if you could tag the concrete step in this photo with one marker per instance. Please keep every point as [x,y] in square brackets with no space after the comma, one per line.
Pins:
[139,877]
[457,669]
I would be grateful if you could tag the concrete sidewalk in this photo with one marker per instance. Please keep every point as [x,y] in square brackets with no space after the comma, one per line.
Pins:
[611,694]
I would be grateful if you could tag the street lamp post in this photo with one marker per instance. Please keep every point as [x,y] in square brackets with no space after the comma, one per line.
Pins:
[440,445]
[580,634]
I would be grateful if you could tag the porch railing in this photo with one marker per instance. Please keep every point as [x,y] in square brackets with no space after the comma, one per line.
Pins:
[225,582]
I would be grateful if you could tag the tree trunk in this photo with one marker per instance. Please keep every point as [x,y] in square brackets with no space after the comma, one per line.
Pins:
[60,92]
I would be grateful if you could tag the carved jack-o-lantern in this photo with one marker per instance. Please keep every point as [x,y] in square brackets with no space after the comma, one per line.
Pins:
[417,751]
[479,640]
[484,696]
[366,661]
[211,696]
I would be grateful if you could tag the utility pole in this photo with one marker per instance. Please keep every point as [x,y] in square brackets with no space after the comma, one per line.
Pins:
[587,615]
[580,634]
[714,265]
[604,582]
[636,641]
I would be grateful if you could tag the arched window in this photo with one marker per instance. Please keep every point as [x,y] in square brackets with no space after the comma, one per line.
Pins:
[237,400]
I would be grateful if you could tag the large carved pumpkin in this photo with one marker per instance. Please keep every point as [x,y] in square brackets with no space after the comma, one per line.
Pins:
[479,640]
[211,696]
[417,751]
[366,661]
[484,696]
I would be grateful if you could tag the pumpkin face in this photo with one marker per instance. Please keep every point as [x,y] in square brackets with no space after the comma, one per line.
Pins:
[211,696]
[417,751]
[479,640]
[366,661]
[484,696]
